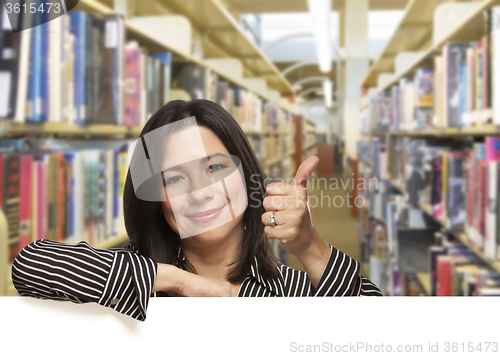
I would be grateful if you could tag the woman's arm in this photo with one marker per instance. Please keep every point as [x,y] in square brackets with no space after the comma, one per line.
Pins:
[339,278]
[180,283]
[329,272]
[117,278]
[120,279]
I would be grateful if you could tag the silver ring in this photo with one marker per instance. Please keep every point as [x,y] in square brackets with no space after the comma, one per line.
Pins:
[271,219]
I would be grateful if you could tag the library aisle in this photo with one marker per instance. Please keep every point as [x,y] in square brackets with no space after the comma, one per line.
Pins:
[399,100]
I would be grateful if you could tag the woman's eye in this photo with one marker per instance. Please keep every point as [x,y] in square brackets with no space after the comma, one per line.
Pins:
[173,180]
[216,167]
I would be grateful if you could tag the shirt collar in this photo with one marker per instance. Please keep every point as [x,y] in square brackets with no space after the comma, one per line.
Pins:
[275,285]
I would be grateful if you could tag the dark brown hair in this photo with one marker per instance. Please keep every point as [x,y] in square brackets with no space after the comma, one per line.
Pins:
[144,220]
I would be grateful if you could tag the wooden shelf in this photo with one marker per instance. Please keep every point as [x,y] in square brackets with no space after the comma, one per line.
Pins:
[463,239]
[268,133]
[11,290]
[487,130]
[412,33]
[8,128]
[272,161]
[459,31]
[395,185]
[425,280]
[222,29]
[309,145]
[114,241]
[427,208]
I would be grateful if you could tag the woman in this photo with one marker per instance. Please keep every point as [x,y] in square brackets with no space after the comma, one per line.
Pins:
[178,245]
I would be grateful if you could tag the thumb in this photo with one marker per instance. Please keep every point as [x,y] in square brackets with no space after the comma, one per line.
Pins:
[304,170]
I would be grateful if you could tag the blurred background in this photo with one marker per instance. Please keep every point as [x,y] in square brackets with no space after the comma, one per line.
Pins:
[396,97]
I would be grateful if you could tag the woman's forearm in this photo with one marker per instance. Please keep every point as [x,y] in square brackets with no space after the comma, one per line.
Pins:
[167,279]
[180,283]
[315,259]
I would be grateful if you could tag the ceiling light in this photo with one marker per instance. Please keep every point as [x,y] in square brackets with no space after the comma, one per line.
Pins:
[328,91]
[320,13]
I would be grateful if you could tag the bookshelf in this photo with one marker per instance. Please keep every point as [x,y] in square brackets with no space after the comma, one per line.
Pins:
[227,33]
[388,150]
[180,27]
[412,34]
[465,25]
[13,129]
[425,281]
[477,131]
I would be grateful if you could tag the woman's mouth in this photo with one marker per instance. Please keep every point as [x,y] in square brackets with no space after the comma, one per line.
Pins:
[205,216]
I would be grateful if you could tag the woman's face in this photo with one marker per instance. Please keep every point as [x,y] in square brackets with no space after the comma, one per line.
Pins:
[205,193]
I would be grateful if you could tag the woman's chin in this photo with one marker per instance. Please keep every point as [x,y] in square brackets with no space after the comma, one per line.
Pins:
[214,235]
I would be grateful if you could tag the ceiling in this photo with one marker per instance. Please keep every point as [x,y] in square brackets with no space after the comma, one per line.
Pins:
[260,6]
[306,72]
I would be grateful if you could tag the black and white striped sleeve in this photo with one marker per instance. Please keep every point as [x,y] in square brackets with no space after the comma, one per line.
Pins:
[341,278]
[366,288]
[119,279]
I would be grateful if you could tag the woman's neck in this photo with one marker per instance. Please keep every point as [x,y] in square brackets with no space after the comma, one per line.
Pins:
[212,259]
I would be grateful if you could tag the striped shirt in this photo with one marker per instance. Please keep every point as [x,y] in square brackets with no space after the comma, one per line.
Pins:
[122,279]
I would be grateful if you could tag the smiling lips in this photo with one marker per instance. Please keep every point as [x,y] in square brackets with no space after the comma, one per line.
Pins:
[205,216]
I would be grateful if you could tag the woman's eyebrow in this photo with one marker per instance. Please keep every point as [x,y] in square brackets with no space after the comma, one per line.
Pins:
[204,159]
[173,168]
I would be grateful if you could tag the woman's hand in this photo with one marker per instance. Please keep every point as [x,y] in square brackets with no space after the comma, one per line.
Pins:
[180,283]
[288,202]
[293,222]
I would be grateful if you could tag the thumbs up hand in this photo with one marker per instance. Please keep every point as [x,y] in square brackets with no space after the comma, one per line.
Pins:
[292,218]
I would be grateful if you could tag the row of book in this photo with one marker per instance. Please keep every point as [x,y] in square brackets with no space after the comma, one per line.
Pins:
[272,147]
[79,69]
[67,195]
[459,91]
[457,181]
[400,242]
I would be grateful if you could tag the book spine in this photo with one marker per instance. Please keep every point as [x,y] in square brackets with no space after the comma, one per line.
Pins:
[25,201]
[52,197]
[109,181]
[444,283]
[34,201]
[79,30]
[69,160]
[11,196]
[60,200]
[33,105]
[54,72]
[490,248]
[495,63]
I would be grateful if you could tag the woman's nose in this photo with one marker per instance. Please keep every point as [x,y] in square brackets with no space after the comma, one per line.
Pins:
[201,189]
[200,195]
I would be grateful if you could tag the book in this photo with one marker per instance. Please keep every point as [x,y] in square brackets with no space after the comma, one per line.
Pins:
[25,201]
[455,196]
[105,68]
[495,62]
[10,204]
[424,88]
[14,62]
[134,95]
[454,57]
[79,29]
[166,59]
[443,276]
